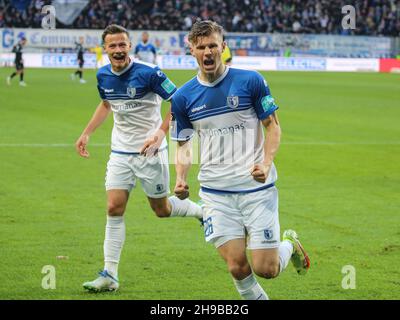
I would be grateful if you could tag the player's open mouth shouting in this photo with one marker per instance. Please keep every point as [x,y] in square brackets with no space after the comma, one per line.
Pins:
[209,63]
[119,58]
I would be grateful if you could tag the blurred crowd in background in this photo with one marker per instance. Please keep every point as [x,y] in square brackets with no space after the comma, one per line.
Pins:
[373,17]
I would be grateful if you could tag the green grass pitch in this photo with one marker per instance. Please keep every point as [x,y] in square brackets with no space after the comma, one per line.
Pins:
[339,183]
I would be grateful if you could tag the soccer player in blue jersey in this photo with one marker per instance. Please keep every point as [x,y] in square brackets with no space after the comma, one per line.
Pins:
[227,108]
[133,92]
[145,51]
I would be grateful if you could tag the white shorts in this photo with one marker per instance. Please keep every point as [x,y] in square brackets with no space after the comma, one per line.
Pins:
[153,173]
[233,216]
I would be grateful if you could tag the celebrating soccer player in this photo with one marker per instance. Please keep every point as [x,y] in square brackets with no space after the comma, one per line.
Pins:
[228,108]
[132,91]
[19,63]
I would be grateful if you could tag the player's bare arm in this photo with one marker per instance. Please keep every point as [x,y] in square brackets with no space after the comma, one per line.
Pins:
[272,127]
[183,162]
[153,143]
[99,116]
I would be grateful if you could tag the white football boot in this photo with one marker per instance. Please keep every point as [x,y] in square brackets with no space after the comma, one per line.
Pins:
[105,282]
[300,259]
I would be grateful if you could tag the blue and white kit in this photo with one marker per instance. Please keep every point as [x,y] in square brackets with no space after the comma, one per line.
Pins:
[226,117]
[146,52]
[135,95]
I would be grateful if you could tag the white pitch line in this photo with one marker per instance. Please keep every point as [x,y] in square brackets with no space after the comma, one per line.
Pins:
[305,143]
[47,145]
[322,143]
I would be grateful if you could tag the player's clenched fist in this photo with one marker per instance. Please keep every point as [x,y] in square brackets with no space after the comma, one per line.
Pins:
[260,172]
[181,190]
[80,146]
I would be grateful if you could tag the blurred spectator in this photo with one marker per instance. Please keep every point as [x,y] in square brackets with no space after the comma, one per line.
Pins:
[373,17]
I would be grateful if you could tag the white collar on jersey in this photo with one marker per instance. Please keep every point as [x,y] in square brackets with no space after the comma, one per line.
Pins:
[218,80]
[124,70]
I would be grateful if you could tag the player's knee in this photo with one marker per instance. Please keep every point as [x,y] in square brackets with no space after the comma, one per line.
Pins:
[160,211]
[115,209]
[268,271]
[238,270]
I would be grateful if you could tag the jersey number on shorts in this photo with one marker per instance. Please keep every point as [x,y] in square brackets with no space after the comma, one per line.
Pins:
[208,227]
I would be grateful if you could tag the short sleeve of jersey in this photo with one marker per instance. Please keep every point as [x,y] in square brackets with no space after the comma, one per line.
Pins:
[264,103]
[136,49]
[181,127]
[153,49]
[161,85]
[100,88]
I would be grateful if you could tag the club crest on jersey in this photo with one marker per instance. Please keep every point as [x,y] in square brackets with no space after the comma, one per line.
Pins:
[131,92]
[232,102]
[268,234]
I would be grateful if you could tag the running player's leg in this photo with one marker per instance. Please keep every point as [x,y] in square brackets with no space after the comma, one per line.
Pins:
[81,80]
[115,229]
[21,75]
[269,263]
[16,72]
[13,74]
[234,254]
[224,227]
[119,182]
[78,72]
[166,207]
[270,256]
[153,173]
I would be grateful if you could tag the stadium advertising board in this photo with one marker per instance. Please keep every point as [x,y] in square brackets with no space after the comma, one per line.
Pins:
[301,64]
[352,65]
[255,63]
[187,62]
[173,42]
[389,65]
[177,62]
[301,45]
[57,39]
[53,60]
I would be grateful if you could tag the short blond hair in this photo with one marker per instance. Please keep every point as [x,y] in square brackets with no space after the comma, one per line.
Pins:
[204,29]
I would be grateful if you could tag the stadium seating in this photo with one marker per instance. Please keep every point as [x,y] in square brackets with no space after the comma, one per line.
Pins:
[373,17]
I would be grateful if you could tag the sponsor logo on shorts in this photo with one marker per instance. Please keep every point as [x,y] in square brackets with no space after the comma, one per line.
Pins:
[271,241]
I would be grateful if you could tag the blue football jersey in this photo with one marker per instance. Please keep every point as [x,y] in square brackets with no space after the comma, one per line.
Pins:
[135,95]
[226,116]
[146,52]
